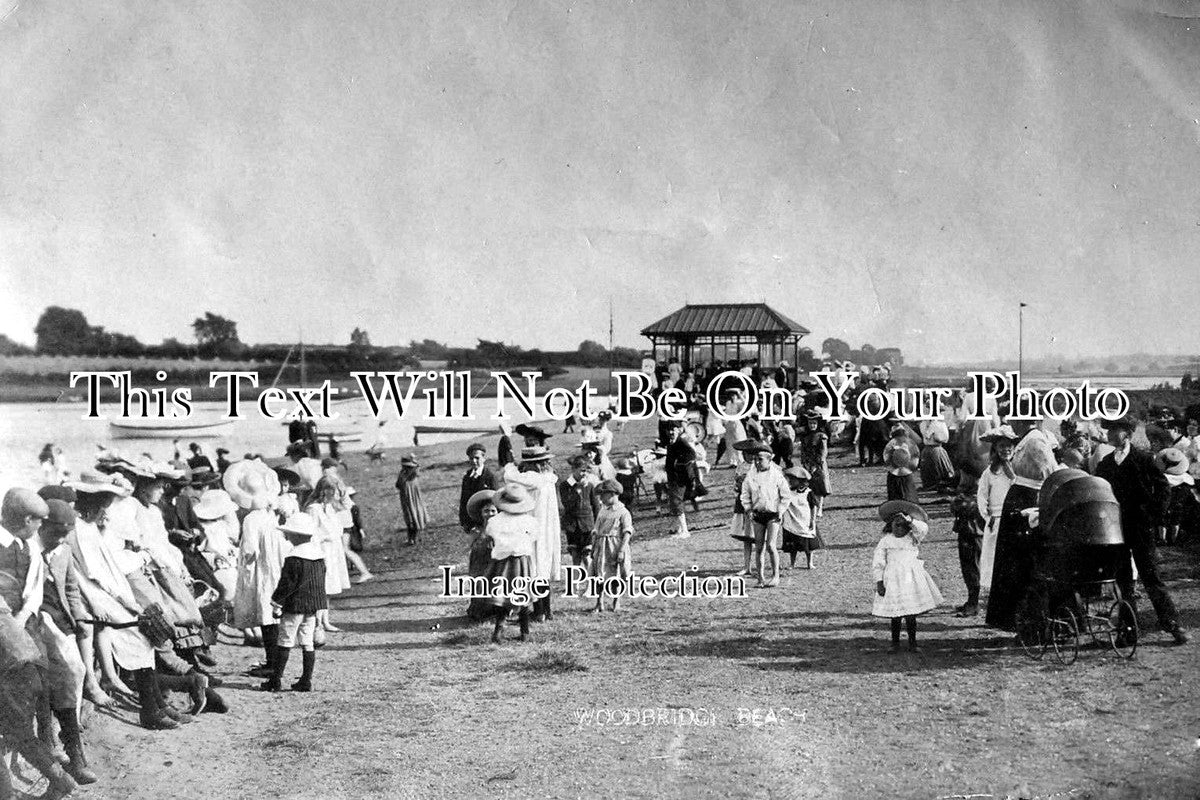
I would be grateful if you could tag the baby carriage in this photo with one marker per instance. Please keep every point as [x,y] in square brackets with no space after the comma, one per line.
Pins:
[1074,593]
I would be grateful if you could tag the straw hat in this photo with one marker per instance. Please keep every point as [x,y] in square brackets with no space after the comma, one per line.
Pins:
[476,502]
[799,473]
[902,458]
[997,434]
[532,454]
[301,524]
[92,482]
[514,499]
[251,484]
[608,487]
[1171,461]
[893,507]
[532,431]
[751,447]
[214,504]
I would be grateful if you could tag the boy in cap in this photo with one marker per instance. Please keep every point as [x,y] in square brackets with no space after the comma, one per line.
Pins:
[577,506]
[477,478]
[297,598]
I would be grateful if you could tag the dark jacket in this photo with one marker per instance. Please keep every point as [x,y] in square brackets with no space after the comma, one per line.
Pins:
[577,506]
[301,587]
[470,486]
[1139,486]
[61,597]
[681,463]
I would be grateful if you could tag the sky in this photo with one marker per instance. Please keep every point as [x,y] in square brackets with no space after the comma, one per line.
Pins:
[900,173]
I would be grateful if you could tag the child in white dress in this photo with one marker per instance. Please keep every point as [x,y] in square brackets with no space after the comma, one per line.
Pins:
[903,589]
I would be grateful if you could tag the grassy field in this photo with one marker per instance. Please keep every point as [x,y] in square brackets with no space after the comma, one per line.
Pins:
[412,702]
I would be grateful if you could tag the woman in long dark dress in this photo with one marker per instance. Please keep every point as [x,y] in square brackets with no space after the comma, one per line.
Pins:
[814,457]
[1016,543]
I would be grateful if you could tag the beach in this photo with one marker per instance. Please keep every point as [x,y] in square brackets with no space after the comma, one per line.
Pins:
[789,692]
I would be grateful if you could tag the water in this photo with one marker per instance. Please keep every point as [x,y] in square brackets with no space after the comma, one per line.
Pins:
[26,427]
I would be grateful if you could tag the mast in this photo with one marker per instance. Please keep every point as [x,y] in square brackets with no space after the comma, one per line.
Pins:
[610,346]
[303,366]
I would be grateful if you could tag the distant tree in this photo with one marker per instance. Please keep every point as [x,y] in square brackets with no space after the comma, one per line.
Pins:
[890,355]
[173,348]
[592,353]
[835,349]
[866,354]
[63,331]
[806,360]
[213,329]
[1153,367]
[1111,366]
[360,338]
[10,348]
[428,349]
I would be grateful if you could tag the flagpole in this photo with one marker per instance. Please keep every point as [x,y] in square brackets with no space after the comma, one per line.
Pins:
[1020,337]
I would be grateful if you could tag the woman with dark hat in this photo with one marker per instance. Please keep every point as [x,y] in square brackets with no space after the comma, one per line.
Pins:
[1016,542]
[814,457]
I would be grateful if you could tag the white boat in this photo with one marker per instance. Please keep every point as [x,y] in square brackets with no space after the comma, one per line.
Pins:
[168,428]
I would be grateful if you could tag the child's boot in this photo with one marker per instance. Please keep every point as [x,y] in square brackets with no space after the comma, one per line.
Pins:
[895,634]
[68,731]
[910,622]
[305,682]
[150,713]
[43,760]
[273,684]
[523,620]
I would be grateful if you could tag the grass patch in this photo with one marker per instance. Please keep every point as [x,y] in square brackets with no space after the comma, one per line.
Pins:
[555,661]
[456,639]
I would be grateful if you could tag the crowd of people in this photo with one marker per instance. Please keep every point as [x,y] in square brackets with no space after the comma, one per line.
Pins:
[115,584]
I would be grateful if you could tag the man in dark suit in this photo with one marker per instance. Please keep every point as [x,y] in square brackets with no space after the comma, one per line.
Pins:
[577,508]
[477,478]
[1141,490]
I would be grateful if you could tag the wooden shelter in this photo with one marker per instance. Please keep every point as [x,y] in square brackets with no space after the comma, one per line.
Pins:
[696,334]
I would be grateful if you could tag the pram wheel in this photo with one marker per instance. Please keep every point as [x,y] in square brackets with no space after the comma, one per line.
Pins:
[1064,636]
[1031,636]
[1122,629]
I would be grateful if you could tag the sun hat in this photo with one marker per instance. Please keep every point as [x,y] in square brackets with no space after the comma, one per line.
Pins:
[609,486]
[251,484]
[514,498]
[751,447]
[997,434]
[476,448]
[214,504]
[1171,461]
[92,482]
[532,454]
[532,431]
[893,507]
[301,524]
[288,475]
[55,491]
[799,473]
[476,502]
[203,477]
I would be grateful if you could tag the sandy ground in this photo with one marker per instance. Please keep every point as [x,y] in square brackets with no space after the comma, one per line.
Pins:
[660,700]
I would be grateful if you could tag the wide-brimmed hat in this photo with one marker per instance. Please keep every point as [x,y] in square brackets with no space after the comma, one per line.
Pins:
[476,502]
[203,477]
[514,498]
[93,482]
[608,487]
[902,458]
[251,484]
[751,447]
[799,473]
[893,507]
[1001,433]
[214,504]
[1171,461]
[532,431]
[532,454]
[56,491]
[135,468]
[624,465]
[301,524]
[289,475]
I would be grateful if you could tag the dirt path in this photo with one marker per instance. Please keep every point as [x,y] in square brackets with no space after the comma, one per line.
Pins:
[412,702]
